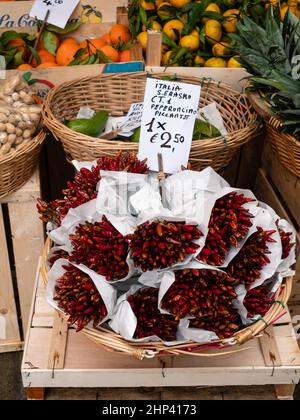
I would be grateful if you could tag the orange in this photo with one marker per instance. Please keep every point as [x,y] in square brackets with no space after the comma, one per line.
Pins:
[25,67]
[16,43]
[66,51]
[119,33]
[125,56]
[47,65]
[110,53]
[106,39]
[45,57]
[94,44]
[69,40]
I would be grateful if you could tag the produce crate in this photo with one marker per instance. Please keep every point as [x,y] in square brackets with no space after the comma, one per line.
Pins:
[277,186]
[21,241]
[55,356]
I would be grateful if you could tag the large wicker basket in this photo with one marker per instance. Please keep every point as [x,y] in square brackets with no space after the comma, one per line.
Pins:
[17,167]
[107,338]
[117,92]
[286,146]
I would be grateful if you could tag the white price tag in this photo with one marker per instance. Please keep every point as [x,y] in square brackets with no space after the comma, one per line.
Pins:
[133,118]
[170,110]
[60,11]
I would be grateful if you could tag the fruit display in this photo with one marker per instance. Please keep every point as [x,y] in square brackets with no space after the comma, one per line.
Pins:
[19,115]
[197,33]
[150,258]
[56,47]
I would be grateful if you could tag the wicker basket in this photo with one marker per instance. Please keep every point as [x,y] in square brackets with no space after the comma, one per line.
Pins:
[286,146]
[17,167]
[117,92]
[113,342]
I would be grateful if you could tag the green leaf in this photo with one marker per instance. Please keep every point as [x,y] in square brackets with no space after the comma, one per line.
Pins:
[11,35]
[70,27]
[27,76]
[49,41]
[78,57]
[35,54]
[18,58]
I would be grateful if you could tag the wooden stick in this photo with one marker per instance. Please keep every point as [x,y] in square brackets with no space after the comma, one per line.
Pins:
[40,33]
[162,178]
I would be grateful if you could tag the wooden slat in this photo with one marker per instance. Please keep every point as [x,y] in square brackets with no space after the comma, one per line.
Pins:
[9,329]
[29,192]
[154,42]
[269,348]
[58,343]
[10,346]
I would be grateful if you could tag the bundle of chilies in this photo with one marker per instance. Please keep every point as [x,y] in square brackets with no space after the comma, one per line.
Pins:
[235,250]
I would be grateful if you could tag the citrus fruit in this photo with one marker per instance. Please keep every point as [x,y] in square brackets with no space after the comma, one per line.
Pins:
[106,39]
[47,65]
[25,67]
[173,28]
[215,62]
[213,31]
[16,43]
[66,51]
[163,10]
[233,63]
[45,57]
[124,56]
[199,61]
[110,52]
[232,17]
[190,41]
[119,33]
[221,49]
[166,58]
[94,44]
[212,7]
[179,3]
[142,39]
[147,5]
[154,25]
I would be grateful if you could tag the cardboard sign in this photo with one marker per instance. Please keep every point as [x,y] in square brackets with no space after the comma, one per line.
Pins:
[60,11]
[170,110]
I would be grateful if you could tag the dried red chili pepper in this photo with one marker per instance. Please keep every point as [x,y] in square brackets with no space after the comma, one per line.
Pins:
[246,267]
[79,298]
[150,321]
[83,188]
[286,241]
[258,301]
[156,245]
[222,327]
[229,224]
[199,293]
[102,248]
[57,255]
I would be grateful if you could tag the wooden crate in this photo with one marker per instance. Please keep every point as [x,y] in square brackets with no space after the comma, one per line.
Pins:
[58,357]
[279,188]
[21,242]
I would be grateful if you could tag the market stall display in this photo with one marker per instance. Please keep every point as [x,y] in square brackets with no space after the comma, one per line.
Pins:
[211,305]
[116,93]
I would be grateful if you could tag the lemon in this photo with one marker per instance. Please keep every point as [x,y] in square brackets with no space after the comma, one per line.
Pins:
[146,5]
[215,62]
[232,16]
[163,11]
[91,15]
[233,63]
[179,3]
[172,28]
[212,7]
[142,39]
[213,31]
[166,58]
[199,61]
[221,49]
[159,2]
[153,25]
[190,41]
[195,33]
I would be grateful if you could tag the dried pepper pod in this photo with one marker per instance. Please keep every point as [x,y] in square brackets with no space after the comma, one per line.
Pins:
[199,293]
[102,248]
[157,245]
[83,188]
[258,301]
[222,327]
[150,321]
[229,224]
[78,297]
[57,255]
[246,267]
[286,241]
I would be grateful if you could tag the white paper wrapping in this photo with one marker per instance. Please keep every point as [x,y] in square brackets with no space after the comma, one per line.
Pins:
[211,114]
[107,292]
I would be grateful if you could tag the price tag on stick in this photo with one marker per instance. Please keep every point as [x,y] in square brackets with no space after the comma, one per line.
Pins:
[59,11]
[169,115]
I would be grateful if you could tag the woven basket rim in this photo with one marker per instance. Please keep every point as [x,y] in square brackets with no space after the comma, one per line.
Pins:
[37,140]
[114,342]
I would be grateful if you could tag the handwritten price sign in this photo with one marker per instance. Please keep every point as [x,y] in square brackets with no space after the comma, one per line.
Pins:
[60,11]
[169,115]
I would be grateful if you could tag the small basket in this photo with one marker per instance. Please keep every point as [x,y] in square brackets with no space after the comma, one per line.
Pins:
[116,92]
[113,342]
[18,166]
[284,145]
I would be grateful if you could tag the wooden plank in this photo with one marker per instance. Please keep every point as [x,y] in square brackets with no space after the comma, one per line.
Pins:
[269,348]
[285,392]
[9,329]
[28,241]
[29,192]
[154,43]
[287,184]
[58,343]
[35,394]
[10,346]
